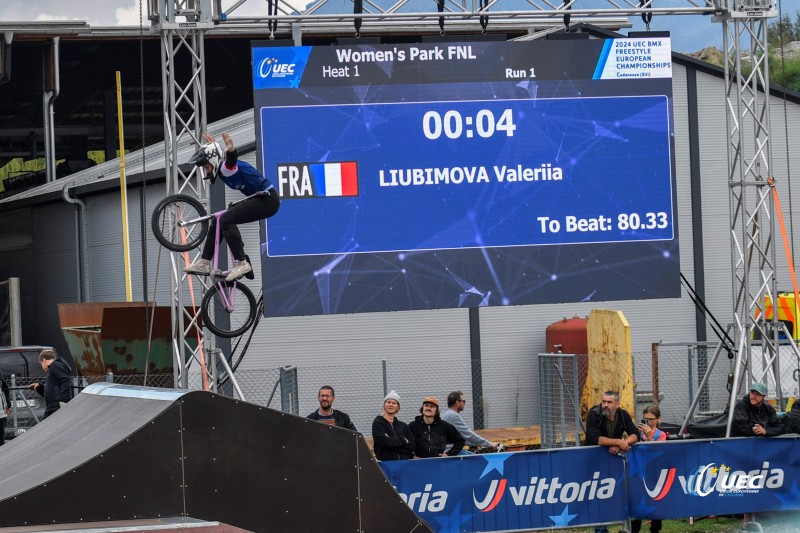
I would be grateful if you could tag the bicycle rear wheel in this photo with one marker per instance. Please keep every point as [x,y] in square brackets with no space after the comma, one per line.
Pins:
[236,304]
[167,220]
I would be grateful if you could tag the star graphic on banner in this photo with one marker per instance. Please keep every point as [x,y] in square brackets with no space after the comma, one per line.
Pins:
[451,523]
[642,508]
[563,519]
[789,500]
[494,461]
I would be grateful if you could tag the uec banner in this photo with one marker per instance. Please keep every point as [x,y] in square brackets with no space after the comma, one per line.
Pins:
[580,486]
[701,478]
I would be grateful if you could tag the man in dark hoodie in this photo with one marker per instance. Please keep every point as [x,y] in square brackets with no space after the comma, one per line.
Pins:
[432,434]
[753,417]
[57,388]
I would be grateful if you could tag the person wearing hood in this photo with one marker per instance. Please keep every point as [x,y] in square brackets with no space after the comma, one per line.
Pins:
[432,434]
[57,388]
[753,417]
[392,440]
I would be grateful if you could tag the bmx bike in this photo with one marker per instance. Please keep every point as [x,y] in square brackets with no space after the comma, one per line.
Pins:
[180,223]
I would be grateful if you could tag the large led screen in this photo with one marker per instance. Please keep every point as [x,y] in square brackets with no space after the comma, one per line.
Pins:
[441,175]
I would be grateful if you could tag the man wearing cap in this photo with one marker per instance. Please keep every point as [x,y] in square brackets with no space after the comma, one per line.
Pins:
[752,416]
[432,434]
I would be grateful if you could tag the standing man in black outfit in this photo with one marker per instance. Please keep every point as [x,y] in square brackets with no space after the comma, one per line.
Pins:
[327,414]
[610,425]
[56,389]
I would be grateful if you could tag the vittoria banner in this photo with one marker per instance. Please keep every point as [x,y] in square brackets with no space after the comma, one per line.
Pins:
[520,490]
[581,486]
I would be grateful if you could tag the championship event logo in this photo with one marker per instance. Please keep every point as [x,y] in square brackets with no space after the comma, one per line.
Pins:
[723,479]
[279,68]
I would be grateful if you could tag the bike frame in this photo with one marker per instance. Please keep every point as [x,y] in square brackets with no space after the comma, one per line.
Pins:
[192,222]
[227,292]
[228,297]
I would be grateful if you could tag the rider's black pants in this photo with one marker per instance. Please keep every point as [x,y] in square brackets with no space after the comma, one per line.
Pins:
[250,210]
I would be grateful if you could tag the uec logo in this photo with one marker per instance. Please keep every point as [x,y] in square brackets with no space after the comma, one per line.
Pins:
[270,67]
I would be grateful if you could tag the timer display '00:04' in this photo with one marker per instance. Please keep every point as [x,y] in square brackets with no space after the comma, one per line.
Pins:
[454,126]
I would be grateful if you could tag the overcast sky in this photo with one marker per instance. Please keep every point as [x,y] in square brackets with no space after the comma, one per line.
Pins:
[689,32]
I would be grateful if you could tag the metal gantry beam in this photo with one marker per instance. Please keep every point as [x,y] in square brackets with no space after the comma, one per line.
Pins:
[182,24]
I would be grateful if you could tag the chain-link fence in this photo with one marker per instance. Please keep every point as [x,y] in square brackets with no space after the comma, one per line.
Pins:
[501,392]
[562,378]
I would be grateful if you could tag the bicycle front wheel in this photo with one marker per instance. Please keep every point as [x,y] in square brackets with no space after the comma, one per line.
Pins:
[228,309]
[171,222]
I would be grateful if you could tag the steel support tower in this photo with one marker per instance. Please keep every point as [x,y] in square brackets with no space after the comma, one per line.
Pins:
[751,199]
[182,24]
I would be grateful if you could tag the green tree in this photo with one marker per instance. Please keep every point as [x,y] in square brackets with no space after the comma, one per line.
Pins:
[783,31]
[786,74]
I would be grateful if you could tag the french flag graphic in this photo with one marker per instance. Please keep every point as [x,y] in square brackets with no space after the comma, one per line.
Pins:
[335,179]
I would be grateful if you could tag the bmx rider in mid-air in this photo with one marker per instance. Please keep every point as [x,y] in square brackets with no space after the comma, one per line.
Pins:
[237,175]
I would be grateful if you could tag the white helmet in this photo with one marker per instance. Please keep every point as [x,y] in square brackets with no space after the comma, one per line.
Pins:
[210,153]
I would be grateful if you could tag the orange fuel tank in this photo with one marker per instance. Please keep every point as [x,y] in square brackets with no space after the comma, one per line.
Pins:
[568,335]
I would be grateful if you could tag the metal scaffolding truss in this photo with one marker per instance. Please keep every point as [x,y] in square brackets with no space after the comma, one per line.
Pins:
[184,117]
[752,208]
[182,24]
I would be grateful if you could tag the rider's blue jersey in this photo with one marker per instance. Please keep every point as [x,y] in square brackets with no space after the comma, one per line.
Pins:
[244,177]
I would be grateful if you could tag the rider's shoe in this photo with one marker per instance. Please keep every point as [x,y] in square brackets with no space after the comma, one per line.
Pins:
[201,267]
[240,268]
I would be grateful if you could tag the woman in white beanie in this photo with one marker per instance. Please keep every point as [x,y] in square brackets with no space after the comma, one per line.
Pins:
[392,440]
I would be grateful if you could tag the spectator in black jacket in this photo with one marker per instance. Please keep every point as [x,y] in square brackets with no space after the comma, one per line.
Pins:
[5,407]
[327,414]
[752,416]
[610,425]
[391,438]
[432,434]
[57,388]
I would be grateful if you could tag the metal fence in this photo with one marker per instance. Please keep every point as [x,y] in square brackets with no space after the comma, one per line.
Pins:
[561,380]
[501,392]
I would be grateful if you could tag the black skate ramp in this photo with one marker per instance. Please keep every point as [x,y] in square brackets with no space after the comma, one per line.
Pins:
[121,453]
